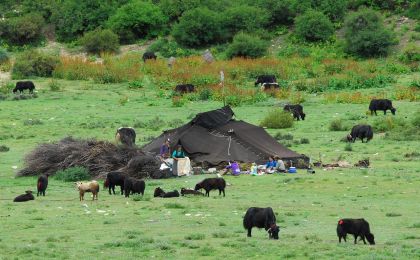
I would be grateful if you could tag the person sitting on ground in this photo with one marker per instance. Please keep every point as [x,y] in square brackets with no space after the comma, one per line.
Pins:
[178,153]
[234,167]
[165,150]
[280,167]
[182,164]
[270,166]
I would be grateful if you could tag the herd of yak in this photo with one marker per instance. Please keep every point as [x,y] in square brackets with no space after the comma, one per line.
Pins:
[254,217]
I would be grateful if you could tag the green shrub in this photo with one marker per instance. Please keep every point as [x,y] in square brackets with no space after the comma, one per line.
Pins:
[138,20]
[277,119]
[337,125]
[32,122]
[4,56]
[410,53]
[100,41]
[313,26]
[205,94]
[304,141]
[73,174]
[334,9]
[387,123]
[280,12]
[169,48]
[279,136]
[348,147]
[4,148]
[135,84]
[233,100]
[34,63]
[54,85]
[23,30]
[413,10]
[198,27]
[365,34]
[7,88]
[243,18]
[248,46]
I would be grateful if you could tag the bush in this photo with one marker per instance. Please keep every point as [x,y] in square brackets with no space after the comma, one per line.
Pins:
[7,88]
[23,30]
[337,125]
[233,100]
[198,27]
[54,85]
[99,41]
[281,12]
[34,63]
[205,94]
[388,123]
[334,9]
[365,34]
[348,147]
[411,53]
[277,119]
[243,18]
[304,141]
[313,26]
[279,136]
[169,48]
[73,174]
[248,46]
[138,20]
[4,149]
[4,56]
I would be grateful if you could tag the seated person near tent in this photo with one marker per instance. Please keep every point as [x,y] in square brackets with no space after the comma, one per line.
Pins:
[234,167]
[280,167]
[165,150]
[181,162]
[270,166]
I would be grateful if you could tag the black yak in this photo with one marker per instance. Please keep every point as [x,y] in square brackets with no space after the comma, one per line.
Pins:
[356,227]
[185,191]
[24,197]
[42,184]
[133,185]
[360,131]
[185,88]
[159,192]
[269,86]
[296,110]
[261,79]
[381,104]
[212,184]
[126,135]
[114,179]
[261,218]
[22,85]
[148,55]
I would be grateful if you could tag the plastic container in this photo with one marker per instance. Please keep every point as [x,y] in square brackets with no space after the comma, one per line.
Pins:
[292,170]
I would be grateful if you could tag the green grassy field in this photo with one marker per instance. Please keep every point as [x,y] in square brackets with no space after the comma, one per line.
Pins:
[307,206]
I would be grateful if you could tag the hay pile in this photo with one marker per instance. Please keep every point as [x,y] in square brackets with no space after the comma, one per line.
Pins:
[99,157]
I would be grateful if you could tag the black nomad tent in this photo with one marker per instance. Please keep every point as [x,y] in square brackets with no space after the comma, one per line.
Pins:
[214,137]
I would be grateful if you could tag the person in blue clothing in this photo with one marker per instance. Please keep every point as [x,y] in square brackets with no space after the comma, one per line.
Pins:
[270,166]
[178,153]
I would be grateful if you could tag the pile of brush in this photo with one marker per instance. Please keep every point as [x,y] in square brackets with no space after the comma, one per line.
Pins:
[99,157]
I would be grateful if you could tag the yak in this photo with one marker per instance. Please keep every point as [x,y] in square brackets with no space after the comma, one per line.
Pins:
[184,88]
[356,227]
[159,192]
[42,184]
[212,184]
[296,110]
[381,104]
[133,185]
[24,197]
[360,131]
[114,179]
[185,191]
[22,85]
[261,218]
[261,79]
[149,55]
[126,135]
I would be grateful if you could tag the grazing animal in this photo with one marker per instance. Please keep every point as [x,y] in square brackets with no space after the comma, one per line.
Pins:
[24,197]
[22,85]
[42,184]
[148,55]
[261,79]
[381,104]
[114,179]
[126,135]
[133,185]
[91,186]
[360,131]
[269,86]
[212,184]
[185,88]
[185,191]
[296,110]
[356,227]
[159,192]
[261,218]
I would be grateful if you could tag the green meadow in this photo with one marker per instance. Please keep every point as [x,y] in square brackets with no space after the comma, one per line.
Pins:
[308,206]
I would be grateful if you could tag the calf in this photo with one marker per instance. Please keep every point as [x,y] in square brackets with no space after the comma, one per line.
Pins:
[381,104]
[149,55]
[22,85]
[261,79]
[126,135]
[133,185]
[185,88]
[261,218]
[185,191]
[296,110]
[356,227]
[42,184]
[91,186]
[159,192]
[24,197]
[114,179]
[212,184]
[360,131]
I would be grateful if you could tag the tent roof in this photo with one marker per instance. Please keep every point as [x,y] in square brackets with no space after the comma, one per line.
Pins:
[214,137]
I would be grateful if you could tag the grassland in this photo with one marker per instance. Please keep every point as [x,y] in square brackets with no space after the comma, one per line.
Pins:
[308,206]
